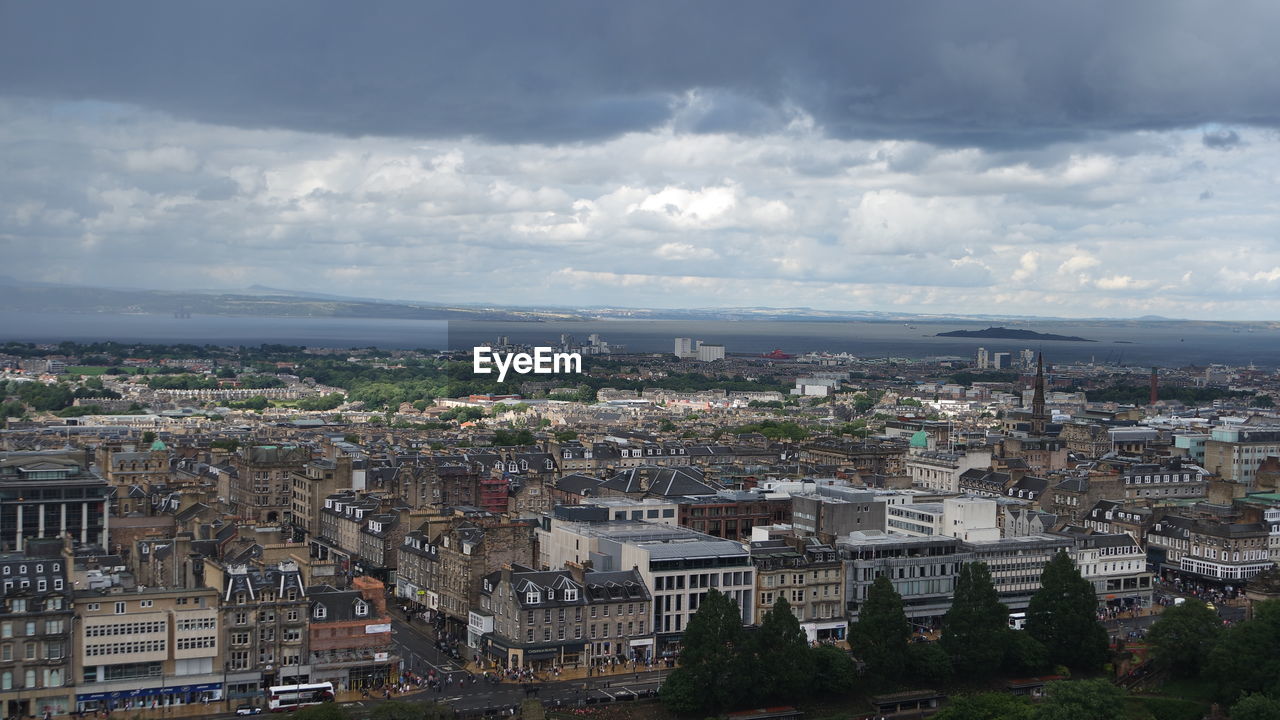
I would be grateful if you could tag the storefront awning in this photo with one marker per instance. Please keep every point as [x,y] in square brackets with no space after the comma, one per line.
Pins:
[147,692]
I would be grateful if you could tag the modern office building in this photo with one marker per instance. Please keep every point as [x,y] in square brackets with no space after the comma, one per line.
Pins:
[50,495]
[146,648]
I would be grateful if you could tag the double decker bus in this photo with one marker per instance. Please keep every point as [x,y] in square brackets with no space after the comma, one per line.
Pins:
[291,697]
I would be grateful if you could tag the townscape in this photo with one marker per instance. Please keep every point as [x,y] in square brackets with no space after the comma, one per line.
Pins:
[219,530]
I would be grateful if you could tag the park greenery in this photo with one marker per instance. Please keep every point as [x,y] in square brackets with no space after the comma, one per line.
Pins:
[774,430]
[1062,615]
[725,667]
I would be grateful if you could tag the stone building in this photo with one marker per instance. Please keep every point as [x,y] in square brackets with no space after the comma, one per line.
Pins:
[810,576]
[262,611]
[571,617]
[35,632]
[469,549]
[261,491]
[349,636]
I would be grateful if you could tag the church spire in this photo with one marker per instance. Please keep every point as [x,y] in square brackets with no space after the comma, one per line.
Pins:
[1038,415]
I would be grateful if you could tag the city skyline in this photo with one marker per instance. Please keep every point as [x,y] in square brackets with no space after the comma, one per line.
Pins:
[1001,159]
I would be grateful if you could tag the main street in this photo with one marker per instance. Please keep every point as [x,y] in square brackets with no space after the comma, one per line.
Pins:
[417,645]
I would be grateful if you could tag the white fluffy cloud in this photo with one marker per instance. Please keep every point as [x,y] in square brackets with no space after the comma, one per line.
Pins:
[1111,226]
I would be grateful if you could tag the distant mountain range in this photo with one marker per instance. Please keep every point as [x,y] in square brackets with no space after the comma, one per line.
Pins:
[29,296]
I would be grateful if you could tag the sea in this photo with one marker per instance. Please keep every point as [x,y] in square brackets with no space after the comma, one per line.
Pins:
[1125,342]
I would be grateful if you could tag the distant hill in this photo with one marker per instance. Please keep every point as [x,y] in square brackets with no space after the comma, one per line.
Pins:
[1003,333]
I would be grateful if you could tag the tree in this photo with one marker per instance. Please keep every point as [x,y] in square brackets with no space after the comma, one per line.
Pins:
[863,403]
[833,671]
[781,656]
[148,438]
[1096,699]
[987,706]
[1255,707]
[1245,658]
[975,631]
[509,438]
[1182,638]
[710,675]
[1024,655]
[882,634]
[929,663]
[564,436]
[1262,401]
[1063,616]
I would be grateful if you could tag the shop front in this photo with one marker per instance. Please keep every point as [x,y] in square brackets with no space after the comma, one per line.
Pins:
[49,704]
[829,631]
[160,696]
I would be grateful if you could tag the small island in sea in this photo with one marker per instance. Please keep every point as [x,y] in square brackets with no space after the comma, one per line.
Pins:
[1002,333]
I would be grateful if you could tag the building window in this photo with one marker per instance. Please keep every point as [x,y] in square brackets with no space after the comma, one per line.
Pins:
[362,609]
[119,608]
[146,603]
[319,613]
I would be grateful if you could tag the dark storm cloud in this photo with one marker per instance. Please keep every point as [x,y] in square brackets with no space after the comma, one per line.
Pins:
[1009,74]
[1221,139]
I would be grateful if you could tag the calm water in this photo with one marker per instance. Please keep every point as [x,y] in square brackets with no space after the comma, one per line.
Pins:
[1142,343]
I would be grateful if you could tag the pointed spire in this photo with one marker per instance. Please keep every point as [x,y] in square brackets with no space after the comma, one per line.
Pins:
[1039,417]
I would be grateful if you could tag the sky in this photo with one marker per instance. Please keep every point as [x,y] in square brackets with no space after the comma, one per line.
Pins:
[1077,159]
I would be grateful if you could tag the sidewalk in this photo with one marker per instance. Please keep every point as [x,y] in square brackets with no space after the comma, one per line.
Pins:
[571,673]
[566,673]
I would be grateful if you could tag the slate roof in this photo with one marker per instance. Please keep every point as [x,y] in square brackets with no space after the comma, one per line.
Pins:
[339,605]
[578,484]
[661,481]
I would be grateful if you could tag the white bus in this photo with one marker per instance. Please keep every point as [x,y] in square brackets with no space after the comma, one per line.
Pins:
[292,697]
[1017,621]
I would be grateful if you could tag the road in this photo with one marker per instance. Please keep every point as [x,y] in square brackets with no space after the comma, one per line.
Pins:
[417,646]
[1123,626]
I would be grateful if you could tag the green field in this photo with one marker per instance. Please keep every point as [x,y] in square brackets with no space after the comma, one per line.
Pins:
[94,370]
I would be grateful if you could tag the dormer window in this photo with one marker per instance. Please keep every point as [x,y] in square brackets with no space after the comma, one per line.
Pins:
[319,613]
[362,608]
[533,597]
[571,594]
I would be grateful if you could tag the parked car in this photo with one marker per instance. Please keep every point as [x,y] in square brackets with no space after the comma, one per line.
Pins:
[248,710]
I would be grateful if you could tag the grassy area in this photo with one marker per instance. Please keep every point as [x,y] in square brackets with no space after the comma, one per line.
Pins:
[95,370]
[1196,689]
[1177,699]
[1164,708]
